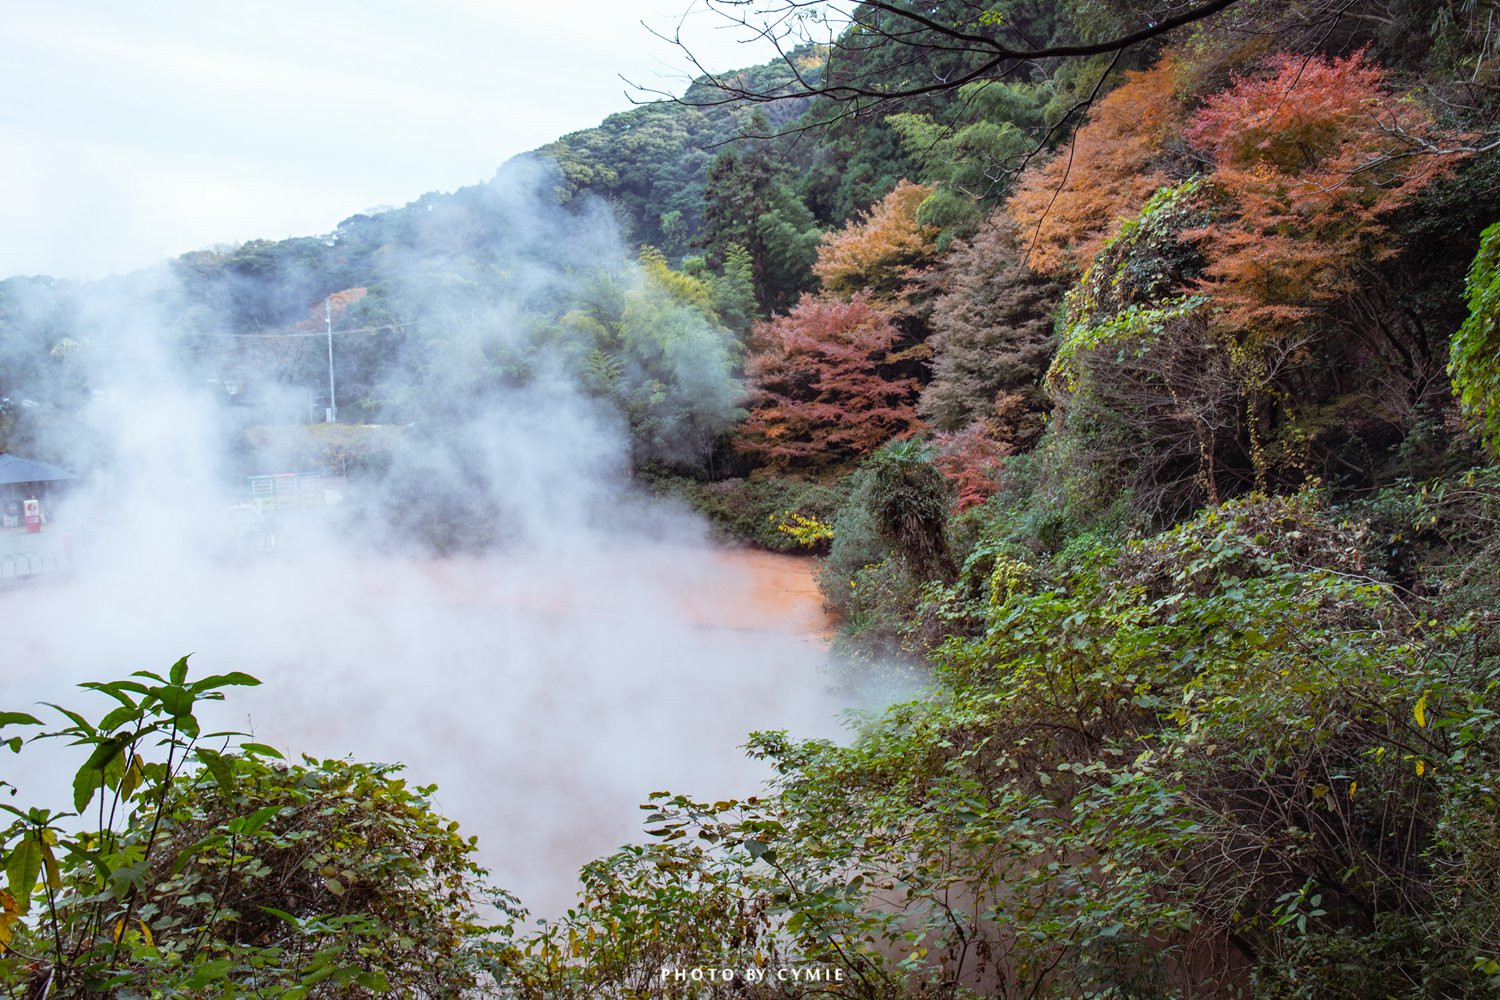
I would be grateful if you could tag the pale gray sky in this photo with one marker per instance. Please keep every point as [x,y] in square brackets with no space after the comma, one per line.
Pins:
[130,132]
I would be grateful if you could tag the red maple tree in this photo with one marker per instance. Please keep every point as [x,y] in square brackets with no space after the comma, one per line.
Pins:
[970,460]
[823,389]
[1310,155]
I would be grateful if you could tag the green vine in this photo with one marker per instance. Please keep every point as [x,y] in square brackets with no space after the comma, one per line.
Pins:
[1120,297]
[1474,364]
[1134,323]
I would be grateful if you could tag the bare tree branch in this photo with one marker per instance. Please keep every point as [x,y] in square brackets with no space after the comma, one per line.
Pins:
[1072,144]
[784,24]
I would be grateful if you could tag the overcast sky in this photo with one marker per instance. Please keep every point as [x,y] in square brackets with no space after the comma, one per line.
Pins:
[131,132]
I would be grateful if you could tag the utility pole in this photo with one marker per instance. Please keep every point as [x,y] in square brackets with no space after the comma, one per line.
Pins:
[333,404]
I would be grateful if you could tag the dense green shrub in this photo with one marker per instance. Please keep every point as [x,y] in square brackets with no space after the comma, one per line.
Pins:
[1147,398]
[890,537]
[909,499]
[1226,756]
[188,869]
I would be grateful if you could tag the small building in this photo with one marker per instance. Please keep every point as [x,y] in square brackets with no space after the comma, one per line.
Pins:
[23,479]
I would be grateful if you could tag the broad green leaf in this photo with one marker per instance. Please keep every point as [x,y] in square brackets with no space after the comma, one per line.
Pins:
[252,823]
[86,782]
[234,677]
[283,915]
[178,673]
[117,718]
[49,865]
[209,971]
[221,767]
[73,716]
[131,779]
[115,690]
[18,719]
[22,869]
[106,760]
[107,750]
[129,876]
[114,769]
[175,699]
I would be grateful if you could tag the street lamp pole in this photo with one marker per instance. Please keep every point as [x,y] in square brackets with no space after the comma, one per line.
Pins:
[333,404]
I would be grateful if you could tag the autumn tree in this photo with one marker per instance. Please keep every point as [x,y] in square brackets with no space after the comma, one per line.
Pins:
[970,460]
[882,252]
[1068,207]
[822,388]
[992,339]
[1311,157]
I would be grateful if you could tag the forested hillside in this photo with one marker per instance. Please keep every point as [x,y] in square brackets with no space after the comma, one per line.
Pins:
[1142,403]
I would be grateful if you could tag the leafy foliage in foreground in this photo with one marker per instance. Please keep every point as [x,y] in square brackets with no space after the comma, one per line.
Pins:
[1229,755]
[881,253]
[1222,755]
[188,869]
[1254,752]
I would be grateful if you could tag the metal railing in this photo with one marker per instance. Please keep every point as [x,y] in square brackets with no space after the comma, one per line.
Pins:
[21,565]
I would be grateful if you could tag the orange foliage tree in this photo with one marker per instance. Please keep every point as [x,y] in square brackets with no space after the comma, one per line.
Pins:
[882,252]
[823,391]
[1309,156]
[1070,206]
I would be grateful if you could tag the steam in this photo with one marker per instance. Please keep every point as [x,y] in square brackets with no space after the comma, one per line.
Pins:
[493,603]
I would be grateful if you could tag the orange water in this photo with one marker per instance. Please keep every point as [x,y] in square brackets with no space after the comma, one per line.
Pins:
[546,695]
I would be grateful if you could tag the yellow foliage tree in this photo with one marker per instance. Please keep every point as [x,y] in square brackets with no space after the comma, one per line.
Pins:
[683,288]
[882,252]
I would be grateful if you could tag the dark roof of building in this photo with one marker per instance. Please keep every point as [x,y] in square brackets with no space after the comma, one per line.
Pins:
[14,469]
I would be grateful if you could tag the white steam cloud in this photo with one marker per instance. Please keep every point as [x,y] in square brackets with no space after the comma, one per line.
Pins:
[575,646]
